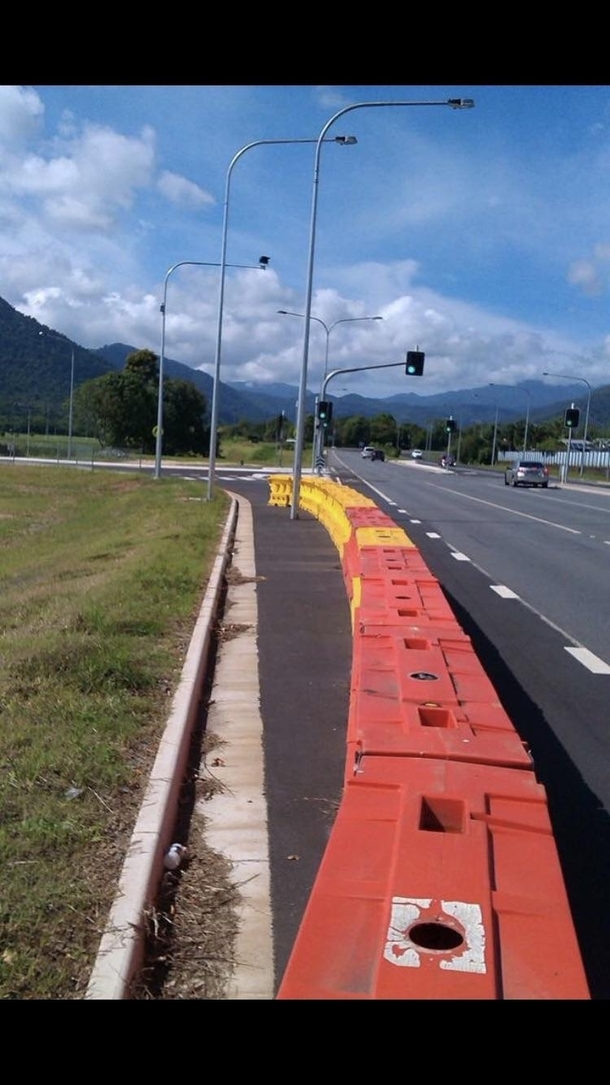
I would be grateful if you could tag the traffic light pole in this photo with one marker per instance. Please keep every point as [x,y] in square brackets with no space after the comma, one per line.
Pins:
[571,420]
[351,369]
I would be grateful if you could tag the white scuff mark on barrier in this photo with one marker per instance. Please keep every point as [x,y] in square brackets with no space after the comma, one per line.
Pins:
[473,957]
[400,950]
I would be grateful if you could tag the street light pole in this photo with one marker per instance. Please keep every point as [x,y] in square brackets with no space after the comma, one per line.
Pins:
[318,429]
[493,447]
[527,419]
[50,335]
[454,103]
[568,376]
[343,141]
[159,426]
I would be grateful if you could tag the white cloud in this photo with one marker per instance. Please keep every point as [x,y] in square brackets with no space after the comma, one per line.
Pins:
[21,114]
[183,192]
[584,274]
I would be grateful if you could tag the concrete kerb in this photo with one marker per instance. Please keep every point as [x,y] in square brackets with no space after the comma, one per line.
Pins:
[122,946]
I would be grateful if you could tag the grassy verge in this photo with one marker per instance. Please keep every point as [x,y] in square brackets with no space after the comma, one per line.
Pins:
[86,450]
[102,577]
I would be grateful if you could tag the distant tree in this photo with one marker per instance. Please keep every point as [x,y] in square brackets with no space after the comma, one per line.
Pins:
[383,429]
[184,426]
[121,408]
[354,431]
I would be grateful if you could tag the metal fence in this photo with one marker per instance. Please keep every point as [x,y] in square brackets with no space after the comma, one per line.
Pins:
[594,458]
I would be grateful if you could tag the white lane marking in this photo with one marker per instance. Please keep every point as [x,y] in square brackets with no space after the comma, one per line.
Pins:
[433,534]
[503,591]
[526,515]
[592,662]
[579,650]
[412,521]
[458,556]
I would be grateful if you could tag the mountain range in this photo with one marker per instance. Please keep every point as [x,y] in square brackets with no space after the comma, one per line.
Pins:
[36,362]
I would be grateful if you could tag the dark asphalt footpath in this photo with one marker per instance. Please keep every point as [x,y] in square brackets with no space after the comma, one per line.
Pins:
[305,655]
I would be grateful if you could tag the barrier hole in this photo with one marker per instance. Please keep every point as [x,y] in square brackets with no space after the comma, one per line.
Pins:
[442,815]
[435,936]
[436,717]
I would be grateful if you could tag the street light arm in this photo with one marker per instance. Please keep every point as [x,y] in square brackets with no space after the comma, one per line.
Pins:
[455,103]
[288,312]
[351,319]
[264,260]
[343,140]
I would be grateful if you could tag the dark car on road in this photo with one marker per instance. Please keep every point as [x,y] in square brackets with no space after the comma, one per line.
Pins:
[526,473]
[447,460]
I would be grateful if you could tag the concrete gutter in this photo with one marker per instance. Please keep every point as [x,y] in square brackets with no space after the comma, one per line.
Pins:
[121,949]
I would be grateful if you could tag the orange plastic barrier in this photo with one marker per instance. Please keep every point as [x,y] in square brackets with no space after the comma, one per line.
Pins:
[441,878]
[418,669]
[427,696]
[376,599]
[372,538]
[479,734]
[391,560]
[440,881]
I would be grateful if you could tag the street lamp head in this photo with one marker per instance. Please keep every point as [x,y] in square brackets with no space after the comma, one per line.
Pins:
[263,261]
[461,103]
[346,141]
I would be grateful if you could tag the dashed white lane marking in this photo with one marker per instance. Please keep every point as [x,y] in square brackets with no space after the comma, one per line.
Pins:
[592,662]
[459,556]
[433,534]
[411,521]
[505,592]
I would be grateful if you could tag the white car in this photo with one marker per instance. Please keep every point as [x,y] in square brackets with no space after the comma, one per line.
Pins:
[368,452]
[417,454]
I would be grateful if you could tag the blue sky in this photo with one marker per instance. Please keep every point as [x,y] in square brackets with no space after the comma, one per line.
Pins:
[482,237]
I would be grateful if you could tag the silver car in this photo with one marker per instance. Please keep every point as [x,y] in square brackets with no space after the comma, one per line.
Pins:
[527,473]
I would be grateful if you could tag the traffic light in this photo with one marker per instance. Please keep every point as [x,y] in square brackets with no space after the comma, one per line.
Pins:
[572,417]
[415,363]
[450,425]
[325,411]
